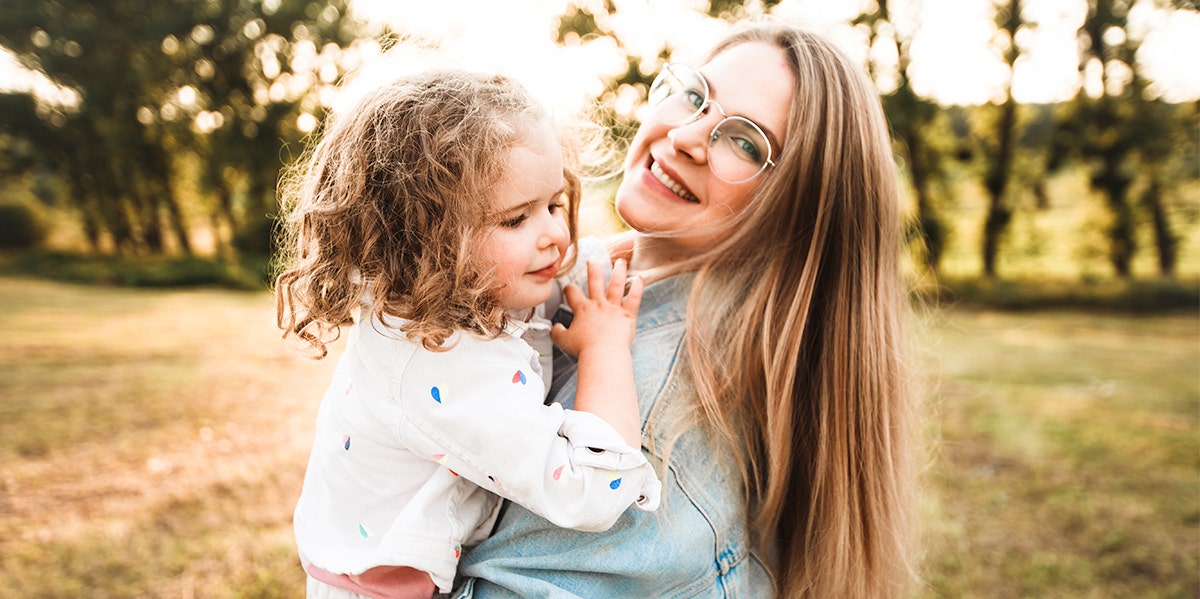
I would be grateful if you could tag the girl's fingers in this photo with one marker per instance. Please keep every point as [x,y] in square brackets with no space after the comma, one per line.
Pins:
[633,299]
[616,285]
[573,294]
[595,278]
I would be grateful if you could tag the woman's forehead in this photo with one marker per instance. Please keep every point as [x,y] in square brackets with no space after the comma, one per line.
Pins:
[753,80]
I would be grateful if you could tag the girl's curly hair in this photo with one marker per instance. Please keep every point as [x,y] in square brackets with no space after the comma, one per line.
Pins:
[384,209]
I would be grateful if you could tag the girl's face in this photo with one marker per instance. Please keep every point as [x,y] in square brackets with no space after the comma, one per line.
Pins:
[668,187]
[525,246]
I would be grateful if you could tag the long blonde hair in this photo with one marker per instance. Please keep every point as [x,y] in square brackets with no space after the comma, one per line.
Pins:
[797,345]
[387,204]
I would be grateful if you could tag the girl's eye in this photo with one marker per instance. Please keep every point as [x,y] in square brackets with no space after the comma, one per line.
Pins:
[693,97]
[555,207]
[514,222]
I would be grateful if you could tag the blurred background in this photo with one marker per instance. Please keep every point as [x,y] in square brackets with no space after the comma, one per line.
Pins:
[153,429]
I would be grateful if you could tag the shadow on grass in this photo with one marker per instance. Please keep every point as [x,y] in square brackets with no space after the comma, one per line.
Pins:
[1129,296]
[248,273]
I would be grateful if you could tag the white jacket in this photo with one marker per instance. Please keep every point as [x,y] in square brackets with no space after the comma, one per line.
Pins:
[414,449]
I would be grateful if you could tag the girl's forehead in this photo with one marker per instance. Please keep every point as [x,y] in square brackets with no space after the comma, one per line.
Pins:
[532,170]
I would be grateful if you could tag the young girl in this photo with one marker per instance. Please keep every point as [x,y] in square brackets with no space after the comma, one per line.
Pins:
[438,211]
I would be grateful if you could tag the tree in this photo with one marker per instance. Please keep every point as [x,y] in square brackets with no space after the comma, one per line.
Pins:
[156,80]
[1126,140]
[256,69]
[916,135]
[1001,154]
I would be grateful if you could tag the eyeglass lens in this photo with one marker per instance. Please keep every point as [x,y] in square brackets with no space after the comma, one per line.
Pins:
[738,149]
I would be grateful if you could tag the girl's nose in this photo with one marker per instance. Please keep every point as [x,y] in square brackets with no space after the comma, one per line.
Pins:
[554,232]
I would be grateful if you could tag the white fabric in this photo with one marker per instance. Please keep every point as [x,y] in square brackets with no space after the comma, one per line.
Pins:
[412,448]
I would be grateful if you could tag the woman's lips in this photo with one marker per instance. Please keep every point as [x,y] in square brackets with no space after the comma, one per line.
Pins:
[676,187]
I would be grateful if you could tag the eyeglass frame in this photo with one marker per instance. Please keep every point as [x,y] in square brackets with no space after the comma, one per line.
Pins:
[701,111]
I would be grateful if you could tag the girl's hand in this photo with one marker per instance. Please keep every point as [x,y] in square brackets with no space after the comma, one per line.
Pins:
[605,319]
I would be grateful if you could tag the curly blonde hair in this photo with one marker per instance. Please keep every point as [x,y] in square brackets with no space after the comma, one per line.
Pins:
[384,210]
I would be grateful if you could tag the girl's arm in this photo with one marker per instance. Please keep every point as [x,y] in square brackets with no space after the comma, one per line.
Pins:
[600,336]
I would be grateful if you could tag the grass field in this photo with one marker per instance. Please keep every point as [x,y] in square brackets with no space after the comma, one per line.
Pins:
[152,444]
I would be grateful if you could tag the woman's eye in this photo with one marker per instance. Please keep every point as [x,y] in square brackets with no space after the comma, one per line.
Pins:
[747,149]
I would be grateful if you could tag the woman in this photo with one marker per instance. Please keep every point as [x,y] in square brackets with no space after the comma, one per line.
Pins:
[769,355]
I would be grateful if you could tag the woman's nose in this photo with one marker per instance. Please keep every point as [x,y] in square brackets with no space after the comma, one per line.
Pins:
[692,138]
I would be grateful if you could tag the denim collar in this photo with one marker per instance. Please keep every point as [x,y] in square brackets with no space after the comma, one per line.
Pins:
[665,302]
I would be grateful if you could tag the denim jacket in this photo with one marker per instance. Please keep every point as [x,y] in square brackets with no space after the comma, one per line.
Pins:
[695,545]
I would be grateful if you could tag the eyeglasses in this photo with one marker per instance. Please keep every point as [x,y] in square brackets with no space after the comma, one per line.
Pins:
[738,149]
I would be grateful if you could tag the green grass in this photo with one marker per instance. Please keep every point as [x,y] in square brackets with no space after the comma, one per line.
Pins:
[1068,463]
[152,444]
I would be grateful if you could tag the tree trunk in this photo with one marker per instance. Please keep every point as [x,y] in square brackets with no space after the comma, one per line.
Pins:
[1000,166]
[999,214]
[177,223]
[932,233]
[1164,241]
[1115,187]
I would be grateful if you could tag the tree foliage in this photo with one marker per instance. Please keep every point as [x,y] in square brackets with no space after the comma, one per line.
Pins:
[1129,143]
[920,148]
[177,115]
[1126,139]
[154,82]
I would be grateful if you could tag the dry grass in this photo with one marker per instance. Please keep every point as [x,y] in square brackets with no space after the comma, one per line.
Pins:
[152,444]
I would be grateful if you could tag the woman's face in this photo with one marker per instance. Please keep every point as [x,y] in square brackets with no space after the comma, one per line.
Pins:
[668,186]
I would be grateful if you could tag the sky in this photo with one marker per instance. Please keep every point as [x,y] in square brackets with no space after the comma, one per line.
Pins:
[954,59]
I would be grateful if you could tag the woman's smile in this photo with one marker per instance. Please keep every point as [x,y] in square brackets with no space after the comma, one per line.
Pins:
[678,188]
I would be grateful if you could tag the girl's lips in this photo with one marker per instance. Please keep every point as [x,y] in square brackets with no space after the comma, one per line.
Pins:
[546,273]
[660,175]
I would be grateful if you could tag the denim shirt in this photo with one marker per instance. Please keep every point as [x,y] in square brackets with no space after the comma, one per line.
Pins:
[695,545]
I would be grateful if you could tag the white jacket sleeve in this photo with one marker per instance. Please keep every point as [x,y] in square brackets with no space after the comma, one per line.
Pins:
[477,409]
